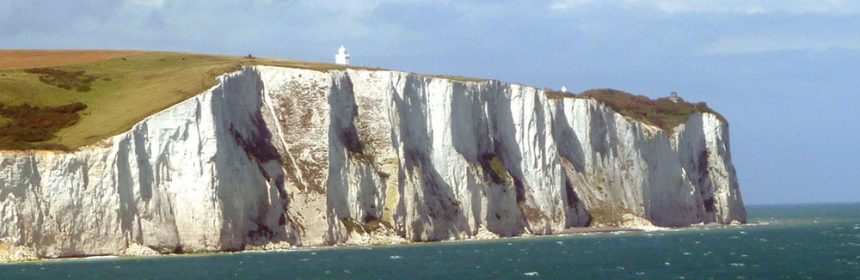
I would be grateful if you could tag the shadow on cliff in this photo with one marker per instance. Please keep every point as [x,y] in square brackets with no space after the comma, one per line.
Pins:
[441,212]
[253,198]
[147,205]
[570,150]
[474,124]
[346,153]
[695,154]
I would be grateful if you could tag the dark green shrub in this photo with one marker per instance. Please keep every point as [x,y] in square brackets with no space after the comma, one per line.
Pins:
[29,124]
[70,80]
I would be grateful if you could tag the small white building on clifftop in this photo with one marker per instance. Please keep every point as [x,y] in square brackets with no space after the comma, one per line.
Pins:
[342,57]
[674,97]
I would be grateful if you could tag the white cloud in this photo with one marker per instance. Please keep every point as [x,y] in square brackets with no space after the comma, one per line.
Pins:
[152,4]
[760,43]
[722,6]
[561,5]
[755,6]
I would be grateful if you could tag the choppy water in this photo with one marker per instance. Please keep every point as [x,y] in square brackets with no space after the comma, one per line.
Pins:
[796,242]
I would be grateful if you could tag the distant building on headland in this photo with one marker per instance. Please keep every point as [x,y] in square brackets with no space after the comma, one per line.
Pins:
[674,97]
[342,57]
[563,89]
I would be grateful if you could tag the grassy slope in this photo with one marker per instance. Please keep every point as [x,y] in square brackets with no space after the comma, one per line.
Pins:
[127,89]
[132,86]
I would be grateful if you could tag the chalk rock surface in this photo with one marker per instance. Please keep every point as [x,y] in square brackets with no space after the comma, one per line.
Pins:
[274,155]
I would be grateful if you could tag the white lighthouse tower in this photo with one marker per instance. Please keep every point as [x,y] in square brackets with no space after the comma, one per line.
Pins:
[342,56]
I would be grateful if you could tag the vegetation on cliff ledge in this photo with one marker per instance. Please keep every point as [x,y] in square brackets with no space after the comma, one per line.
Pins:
[662,112]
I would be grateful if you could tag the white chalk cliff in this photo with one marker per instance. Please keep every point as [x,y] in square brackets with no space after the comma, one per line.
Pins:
[282,155]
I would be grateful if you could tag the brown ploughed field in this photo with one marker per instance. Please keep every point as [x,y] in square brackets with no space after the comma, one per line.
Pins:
[18,59]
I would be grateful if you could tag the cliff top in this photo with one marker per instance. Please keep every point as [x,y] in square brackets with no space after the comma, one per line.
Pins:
[67,99]
[661,112]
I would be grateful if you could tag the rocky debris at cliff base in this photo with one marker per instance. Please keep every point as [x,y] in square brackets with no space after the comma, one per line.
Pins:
[271,246]
[381,236]
[636,222]
[630,222]
[137,250]
[590,230]
[11,253]
[484,234]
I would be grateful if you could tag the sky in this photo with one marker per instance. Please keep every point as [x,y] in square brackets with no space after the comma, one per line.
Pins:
[785,73]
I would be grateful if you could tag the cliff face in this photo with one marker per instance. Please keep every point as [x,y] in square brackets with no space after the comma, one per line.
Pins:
[312,158]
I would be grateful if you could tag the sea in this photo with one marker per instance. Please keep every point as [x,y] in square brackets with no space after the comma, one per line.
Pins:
[780,242]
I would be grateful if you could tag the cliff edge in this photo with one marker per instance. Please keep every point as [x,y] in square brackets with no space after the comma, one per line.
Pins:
[297,157]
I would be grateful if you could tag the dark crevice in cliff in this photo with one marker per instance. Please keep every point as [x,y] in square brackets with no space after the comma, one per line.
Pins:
[349,135]
[125,185]
[368,192]
[572,199]
[258,144]
[141,151]
[705,179]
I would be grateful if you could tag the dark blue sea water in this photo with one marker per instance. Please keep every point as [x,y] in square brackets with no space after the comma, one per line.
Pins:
[783,242]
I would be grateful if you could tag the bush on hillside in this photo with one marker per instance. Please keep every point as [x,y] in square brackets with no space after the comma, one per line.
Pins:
[70,80]
[662,112]
[27,124]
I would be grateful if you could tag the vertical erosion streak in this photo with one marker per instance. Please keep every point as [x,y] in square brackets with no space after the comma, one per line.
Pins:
[342,139]
[730,205]
[572,161]
[125,184]
[435,203]
[249,214]
[144,168]
[505,145]
[481,123]
[354,175]
[693,157]
[470,136]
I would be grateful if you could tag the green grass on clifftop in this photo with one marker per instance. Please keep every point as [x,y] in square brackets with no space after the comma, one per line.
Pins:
[661,112]
[68,99]
[116,92]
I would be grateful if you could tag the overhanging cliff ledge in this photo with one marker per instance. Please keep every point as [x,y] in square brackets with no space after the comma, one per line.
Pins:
[310,157]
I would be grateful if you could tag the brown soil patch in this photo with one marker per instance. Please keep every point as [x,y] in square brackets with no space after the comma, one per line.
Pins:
[18,59]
